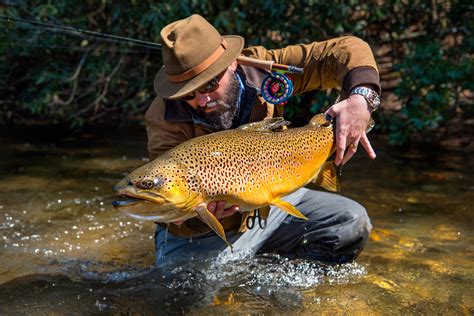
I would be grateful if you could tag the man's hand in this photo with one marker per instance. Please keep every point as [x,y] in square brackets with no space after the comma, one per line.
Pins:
[352,118]
[217,208]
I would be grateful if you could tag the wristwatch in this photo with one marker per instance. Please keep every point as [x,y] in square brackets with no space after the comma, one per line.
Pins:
[372,98]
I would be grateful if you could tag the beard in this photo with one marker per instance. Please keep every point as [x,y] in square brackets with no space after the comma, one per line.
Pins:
[220,113]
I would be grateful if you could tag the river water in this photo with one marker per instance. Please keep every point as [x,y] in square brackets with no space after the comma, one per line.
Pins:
[65,250]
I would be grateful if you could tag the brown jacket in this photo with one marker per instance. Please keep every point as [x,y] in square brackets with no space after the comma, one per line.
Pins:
[343,63]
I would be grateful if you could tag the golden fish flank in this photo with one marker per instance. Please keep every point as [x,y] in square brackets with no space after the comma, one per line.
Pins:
[252,166]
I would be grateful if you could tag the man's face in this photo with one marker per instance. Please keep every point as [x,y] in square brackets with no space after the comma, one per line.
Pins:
[219,107]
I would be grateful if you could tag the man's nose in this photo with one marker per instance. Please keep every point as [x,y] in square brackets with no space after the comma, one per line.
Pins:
[202,99]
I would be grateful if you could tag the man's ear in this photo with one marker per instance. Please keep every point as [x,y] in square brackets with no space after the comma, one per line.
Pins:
[233,66]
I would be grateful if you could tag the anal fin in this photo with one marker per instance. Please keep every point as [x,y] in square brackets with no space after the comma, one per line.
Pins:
[210,220]
[287,207]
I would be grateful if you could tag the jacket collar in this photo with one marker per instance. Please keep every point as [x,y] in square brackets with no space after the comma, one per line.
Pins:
[178,111]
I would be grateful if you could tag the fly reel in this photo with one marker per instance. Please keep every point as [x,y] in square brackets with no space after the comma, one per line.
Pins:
[277,88]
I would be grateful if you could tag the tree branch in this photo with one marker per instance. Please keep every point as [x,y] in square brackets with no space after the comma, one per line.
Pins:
[56,99]
[107,80]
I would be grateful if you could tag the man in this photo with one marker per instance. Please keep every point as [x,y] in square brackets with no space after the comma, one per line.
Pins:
[202,88]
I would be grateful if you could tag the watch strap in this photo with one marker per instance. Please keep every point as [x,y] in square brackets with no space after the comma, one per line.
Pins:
[372,97]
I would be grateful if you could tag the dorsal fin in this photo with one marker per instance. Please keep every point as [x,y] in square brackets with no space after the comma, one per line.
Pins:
[319,120]
[271,124]
[370,125]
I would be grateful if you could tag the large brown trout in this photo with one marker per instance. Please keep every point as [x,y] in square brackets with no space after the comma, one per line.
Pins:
[252,166]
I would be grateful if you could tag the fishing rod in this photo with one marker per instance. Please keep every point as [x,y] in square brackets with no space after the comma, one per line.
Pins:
[81,32]
[276,87]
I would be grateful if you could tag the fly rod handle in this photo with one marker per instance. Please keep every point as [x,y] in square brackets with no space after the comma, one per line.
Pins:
[264,64]
[268,65]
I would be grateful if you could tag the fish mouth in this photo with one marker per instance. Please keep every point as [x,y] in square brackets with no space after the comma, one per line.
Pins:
[147,210]
[129,196]
[138,208]
[126,196]
[127,201]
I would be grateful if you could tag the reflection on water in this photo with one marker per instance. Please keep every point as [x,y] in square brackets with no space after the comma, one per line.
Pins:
[65,250]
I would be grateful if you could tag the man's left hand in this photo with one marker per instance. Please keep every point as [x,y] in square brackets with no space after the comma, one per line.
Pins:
[352,119]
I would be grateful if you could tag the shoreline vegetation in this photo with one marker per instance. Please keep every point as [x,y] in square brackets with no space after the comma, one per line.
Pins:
[423,49]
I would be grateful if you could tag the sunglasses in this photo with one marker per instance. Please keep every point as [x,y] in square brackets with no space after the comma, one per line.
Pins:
[208,87]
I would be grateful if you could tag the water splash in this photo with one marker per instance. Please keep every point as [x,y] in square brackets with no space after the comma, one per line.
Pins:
[277,272]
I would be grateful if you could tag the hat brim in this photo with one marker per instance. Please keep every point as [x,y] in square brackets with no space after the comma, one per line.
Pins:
[170,90]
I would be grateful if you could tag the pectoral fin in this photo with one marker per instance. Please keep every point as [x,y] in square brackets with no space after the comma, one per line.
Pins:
[211,221]
[271,124]
[288,207]
[327,177]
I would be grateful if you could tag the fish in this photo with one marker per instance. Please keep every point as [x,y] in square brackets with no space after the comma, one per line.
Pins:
[252,166]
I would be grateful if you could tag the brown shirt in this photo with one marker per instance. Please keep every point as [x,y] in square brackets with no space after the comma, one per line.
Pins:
[343,63]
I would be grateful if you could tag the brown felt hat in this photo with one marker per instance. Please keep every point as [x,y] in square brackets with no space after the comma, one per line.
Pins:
[193,53]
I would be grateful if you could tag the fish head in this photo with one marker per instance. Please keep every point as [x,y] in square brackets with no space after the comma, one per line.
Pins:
[158,191]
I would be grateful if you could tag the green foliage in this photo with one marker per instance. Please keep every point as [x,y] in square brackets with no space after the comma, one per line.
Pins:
[59,78]
[432,81]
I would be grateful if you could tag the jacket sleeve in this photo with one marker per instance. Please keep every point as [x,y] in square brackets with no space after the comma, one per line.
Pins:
[344,63]
[163,135]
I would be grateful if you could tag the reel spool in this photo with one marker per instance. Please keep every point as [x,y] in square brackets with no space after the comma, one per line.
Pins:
[276,88]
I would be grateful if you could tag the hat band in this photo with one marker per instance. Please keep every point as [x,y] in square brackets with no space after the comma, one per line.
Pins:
[196,70]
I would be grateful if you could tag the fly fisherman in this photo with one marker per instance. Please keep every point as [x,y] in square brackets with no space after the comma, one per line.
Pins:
[203,88]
